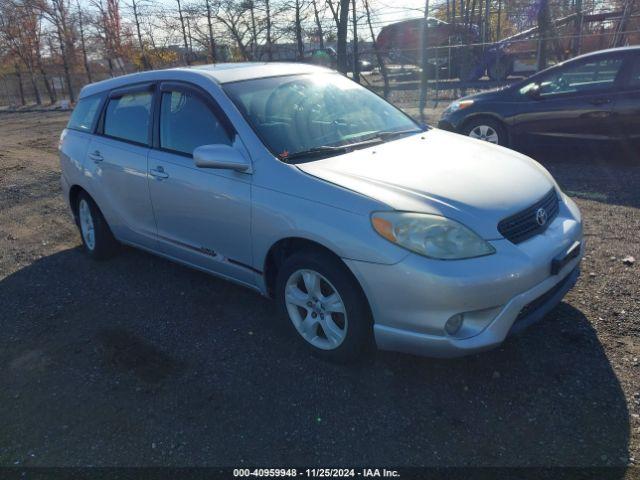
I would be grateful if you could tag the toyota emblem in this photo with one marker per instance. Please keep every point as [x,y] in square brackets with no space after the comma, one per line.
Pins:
[541,216]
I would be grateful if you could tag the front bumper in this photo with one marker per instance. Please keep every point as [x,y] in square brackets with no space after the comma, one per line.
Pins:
[412,300]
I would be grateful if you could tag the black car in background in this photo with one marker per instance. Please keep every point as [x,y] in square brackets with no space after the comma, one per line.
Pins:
[591,98]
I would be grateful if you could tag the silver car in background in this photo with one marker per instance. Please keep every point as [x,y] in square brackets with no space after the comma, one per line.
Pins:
[366,228]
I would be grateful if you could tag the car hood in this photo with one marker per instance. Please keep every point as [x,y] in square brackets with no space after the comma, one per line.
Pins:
[441,173]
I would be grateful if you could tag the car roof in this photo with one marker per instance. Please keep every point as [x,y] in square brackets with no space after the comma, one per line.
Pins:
[607,51]
[219,73]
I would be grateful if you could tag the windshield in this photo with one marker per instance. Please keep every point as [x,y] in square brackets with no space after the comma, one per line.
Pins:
[310,113]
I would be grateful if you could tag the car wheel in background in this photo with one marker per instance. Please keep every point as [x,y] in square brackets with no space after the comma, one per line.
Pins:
[486,129]
[96,235]
[325,305]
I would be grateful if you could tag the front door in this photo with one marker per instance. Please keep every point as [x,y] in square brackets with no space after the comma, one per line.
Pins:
[627,106]
[203,215]
[575,103]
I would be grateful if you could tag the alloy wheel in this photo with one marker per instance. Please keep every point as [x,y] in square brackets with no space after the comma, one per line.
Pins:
[316,309]
[486,133]
[86,224]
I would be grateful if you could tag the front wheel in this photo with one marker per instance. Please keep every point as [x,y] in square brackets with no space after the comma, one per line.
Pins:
[325,306]
[488,130]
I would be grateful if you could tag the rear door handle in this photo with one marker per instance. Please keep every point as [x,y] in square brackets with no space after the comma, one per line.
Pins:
[158,173]
[600,101]
[96,156]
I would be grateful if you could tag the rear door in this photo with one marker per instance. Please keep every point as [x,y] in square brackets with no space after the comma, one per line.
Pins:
[117,165]
[203,214]
[575,102]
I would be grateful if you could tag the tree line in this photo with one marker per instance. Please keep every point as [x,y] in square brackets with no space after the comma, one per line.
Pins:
[53,47]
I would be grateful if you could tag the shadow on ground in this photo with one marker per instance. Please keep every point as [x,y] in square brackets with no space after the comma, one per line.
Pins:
[138,361]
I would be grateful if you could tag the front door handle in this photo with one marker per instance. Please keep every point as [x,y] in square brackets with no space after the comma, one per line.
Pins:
[600,101]
[96,156]
[158,173]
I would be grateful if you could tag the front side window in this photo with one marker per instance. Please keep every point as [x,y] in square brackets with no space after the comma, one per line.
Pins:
[298,113]
[634,78]
[186,122]
[584,77]
[85,113]
[127,117]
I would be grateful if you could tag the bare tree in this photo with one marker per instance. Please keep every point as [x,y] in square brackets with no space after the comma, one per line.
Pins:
[83,44]
[16,66]
[232,14]
[379,57]
[146,64]
[268,24]
[18,23]
[356,56]
[212,42]
[316,16]
[298,14]
[341,44]
[187,56]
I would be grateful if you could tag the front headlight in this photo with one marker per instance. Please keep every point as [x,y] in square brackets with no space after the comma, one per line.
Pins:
[430,235]
[459,105]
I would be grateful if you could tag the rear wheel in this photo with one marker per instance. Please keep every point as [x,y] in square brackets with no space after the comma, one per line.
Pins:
[97,239]
[325,306]
[488,130]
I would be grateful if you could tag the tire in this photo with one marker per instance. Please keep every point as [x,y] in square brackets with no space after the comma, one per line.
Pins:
[487,129]
[97,239]
[349,334]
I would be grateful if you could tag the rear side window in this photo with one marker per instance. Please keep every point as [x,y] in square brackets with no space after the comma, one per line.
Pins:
[186,122]
[128,117]
[85,113]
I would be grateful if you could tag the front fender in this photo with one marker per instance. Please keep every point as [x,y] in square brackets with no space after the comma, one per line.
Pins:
[278,215]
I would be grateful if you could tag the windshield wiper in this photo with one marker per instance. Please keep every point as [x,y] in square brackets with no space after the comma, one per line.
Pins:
[388,135]
[325,150]
[314,152]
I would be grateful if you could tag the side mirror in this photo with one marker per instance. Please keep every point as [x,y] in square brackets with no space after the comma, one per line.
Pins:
[220,156]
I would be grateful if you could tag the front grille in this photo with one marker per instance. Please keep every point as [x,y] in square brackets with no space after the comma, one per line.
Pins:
[523,225]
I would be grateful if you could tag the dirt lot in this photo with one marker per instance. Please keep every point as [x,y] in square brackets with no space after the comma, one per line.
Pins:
[138,361]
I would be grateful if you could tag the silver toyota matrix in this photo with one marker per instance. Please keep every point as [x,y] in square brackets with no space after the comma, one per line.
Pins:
[367,228]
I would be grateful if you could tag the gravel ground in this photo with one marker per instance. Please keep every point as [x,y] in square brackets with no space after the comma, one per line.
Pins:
[138,361]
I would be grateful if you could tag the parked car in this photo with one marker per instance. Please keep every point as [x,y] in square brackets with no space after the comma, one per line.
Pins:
[401,42]
[591,98]
[300,184]
[328,57]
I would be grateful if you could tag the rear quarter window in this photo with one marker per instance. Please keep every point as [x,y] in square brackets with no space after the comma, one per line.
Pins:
[84,114]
